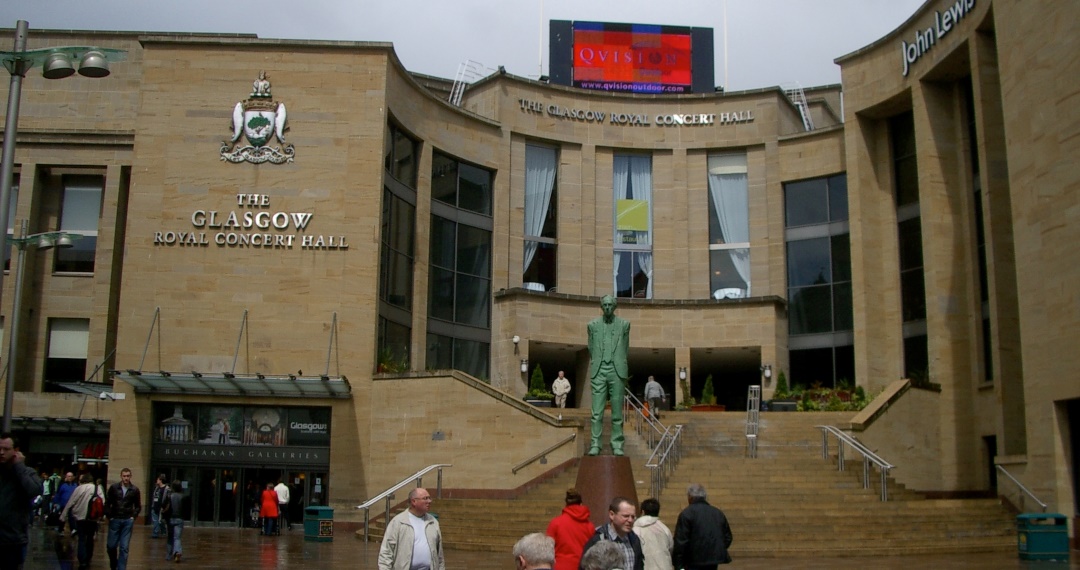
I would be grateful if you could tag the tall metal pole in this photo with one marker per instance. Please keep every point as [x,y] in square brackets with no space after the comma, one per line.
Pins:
[7,169]
[13,330]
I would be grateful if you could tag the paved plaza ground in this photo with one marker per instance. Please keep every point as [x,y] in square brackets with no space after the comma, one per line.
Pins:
[243,549]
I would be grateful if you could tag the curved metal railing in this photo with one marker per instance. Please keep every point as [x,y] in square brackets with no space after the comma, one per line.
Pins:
[869,457]
[388,495]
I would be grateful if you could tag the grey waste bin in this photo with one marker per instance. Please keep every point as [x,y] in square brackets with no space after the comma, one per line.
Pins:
[319,523]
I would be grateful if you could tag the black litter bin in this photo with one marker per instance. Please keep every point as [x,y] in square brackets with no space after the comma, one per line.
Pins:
[319,524]
[1042,536]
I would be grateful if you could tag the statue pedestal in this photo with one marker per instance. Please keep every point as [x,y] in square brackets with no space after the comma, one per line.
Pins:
[600,479]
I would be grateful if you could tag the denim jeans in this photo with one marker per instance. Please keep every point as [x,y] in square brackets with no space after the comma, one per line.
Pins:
[172,547]
[156,524]
[269,525]
[118,542]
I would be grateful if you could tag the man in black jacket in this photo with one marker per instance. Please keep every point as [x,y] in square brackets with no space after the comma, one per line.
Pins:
[123,503]
[622,512]
[19,484]
[702,534]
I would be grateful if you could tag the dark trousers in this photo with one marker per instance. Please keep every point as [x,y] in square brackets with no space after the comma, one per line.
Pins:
[283,518]
[86,532]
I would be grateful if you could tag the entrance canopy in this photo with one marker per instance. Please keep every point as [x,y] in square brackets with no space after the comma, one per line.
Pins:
[228,384]
[60,425]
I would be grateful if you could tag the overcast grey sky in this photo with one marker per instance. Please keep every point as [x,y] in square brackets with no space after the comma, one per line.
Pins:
[770,42]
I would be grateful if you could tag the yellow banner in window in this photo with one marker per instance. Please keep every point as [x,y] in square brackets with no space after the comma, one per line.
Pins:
[632,215]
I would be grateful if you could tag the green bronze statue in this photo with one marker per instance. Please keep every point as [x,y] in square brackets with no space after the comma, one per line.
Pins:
[609,342]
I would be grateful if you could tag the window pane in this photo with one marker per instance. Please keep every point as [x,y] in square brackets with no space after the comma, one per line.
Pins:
[542,268]
[82,203]
[399,272]
[812,366]
[401,226]
[913,295]
[916,359]
[806,202]
[401,157]
[910,237]
[838,206]
[444,179]
[808,262]
[443,242]
[845,364]
[474,189]
[471,357]
[724,265]
[473,301]
[841,258]
[440,352]
[441,294]
[624,277]
[394,340]
[810,310]
[905,165]
[842,312]
[474,251]
[79,258]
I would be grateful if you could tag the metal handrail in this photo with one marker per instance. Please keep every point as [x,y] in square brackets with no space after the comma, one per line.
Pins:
[532,459]
[1022,488]
[868,457]
[640,421]
[388,494]
[665,458]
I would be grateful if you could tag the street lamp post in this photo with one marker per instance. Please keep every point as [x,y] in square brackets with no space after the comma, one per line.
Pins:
[44,240]
[56,63]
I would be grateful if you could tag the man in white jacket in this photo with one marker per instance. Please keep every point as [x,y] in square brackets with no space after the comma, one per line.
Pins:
[656,539]
[74,514]
[413,540]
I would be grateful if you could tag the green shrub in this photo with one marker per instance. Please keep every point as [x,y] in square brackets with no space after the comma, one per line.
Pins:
[707,395]
[537,388]
[781,386]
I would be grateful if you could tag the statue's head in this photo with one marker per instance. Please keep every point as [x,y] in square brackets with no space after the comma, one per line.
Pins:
[608,305]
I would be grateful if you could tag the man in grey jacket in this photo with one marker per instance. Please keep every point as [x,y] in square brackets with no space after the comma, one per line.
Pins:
[413,540]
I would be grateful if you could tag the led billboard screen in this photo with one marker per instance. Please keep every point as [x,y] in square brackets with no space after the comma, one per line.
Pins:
[635,58]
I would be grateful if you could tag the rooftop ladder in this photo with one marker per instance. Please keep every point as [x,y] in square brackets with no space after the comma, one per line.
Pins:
[467,72]
[795,93]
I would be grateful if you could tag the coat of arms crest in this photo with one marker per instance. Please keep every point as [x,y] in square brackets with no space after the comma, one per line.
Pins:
[258,119]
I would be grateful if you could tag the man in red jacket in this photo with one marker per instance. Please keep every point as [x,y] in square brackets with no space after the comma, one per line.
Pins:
[571,530]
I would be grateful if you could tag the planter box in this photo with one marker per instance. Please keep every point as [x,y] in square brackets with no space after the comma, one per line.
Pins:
[783,405]
[539,403]
[708,408]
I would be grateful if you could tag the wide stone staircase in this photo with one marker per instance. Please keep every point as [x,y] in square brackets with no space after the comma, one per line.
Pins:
[789,502]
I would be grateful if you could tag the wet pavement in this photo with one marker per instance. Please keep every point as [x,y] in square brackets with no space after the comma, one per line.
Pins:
[243,549]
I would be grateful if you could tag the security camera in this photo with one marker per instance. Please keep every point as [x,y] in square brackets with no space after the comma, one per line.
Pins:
[103,396]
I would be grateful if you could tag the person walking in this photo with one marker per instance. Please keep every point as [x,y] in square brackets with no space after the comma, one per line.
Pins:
[62,495]
[157,502]
[123,502]
[413,540]
[282,490]
[19,484]
[560,387]
[268,509]
[655,396]
[76,515]
[173,513]
[571,530]
[620,531]
[656,539]
[702,534]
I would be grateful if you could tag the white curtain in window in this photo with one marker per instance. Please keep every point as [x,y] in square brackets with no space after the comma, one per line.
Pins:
[730,202]
[539,181]
[641,181]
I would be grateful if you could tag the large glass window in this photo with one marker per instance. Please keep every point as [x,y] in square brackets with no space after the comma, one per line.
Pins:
[541,191]
[633,262]
[459,282]
[729,226]
[819,281]
[68,341]
[395,282]
[909,238]
[401,156]
[79,214]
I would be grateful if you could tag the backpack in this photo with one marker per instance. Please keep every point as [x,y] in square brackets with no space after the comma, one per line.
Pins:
[95,509]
